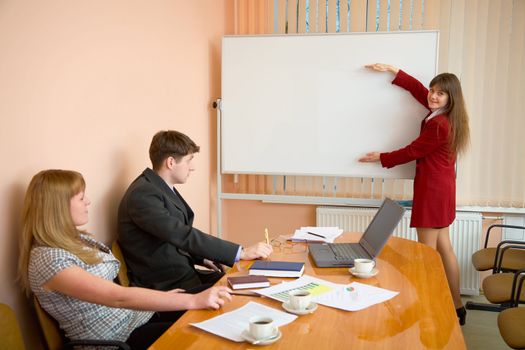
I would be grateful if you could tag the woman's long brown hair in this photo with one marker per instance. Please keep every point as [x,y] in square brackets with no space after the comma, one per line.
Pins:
[457,113]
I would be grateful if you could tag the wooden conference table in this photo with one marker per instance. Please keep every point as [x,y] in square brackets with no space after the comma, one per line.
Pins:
[421,316]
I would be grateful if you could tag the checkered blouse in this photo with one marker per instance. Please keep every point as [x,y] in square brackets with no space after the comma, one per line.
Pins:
[80,319]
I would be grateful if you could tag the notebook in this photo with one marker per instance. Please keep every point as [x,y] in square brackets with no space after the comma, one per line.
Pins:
[245,282]
[370,244]
[276,268]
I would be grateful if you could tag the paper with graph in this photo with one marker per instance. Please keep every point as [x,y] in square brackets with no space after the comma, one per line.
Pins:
[315,286]
[352,297]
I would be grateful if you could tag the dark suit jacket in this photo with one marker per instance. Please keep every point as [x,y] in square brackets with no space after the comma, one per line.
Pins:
[434,203]
[159,243]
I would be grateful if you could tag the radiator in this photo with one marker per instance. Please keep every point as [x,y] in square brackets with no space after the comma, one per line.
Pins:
[465,235]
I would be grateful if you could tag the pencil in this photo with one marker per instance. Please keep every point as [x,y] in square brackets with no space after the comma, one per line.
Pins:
[266,236]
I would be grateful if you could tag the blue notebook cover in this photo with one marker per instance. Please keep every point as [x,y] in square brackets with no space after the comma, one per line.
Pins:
[277,265]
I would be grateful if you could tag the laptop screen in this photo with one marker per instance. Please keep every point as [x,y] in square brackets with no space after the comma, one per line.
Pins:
[382,225]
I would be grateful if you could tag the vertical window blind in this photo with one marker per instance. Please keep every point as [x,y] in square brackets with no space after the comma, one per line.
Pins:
[481,41]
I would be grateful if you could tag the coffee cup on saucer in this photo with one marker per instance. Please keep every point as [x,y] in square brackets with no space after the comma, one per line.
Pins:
[300,299]
[262,328]
[364,266]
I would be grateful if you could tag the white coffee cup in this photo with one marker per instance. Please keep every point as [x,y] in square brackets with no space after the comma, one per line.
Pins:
[364,265]
[262,327]
[300,299]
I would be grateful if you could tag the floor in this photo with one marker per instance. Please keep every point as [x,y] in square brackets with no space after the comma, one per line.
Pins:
[481,330]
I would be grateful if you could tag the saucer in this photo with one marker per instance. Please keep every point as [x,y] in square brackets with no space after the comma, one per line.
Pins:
[364,275]
[310,309]
[246,335]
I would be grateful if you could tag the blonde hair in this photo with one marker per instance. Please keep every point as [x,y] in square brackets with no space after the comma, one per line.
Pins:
[46,218]
[457,112]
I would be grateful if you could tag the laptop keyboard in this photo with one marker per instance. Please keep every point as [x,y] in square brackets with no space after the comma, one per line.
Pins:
[345,251]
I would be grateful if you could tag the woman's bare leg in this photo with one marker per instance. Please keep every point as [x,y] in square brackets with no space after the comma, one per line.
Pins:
[428,236]
[439,239]
[450,262]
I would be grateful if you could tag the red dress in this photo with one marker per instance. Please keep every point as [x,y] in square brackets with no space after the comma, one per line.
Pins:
[434,202]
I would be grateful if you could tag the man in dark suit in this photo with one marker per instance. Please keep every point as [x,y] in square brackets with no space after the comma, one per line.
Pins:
[156,235]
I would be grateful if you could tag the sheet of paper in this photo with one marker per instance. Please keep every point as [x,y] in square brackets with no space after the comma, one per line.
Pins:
[314,285]
[323,234]
[355,296]
[231,324]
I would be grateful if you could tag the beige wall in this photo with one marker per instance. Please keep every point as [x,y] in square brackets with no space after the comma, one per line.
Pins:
[244,221]
[84,85]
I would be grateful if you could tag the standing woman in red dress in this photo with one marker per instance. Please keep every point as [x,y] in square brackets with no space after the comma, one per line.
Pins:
[444,134]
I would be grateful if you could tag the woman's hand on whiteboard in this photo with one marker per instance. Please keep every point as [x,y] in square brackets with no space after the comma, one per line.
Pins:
[370,157]
[381,67]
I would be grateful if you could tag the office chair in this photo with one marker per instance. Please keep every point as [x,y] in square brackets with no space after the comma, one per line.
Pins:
[487,258]
[501,290]
[122,276]
[511,322]
[55,339]
[10,334]
[500,287]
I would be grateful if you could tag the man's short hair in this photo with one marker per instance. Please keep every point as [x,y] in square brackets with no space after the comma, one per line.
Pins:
[170,143]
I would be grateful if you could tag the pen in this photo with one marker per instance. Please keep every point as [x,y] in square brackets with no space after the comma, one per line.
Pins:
[266,236]
[315,234]
[304,240]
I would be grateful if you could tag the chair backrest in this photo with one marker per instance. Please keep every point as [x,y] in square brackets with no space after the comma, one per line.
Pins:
[10,334]
[50,329]
[123,272]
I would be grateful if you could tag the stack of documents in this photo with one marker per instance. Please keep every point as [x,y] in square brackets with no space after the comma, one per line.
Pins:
[317,234]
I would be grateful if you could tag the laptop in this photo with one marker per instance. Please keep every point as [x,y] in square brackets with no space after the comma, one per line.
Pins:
[368,247]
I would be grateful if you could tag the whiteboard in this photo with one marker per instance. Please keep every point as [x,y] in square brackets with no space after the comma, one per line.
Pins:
[305,104]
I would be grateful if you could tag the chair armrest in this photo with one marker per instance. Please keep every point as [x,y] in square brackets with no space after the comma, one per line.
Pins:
[90,342]
[501,248]
[518,293]
[515,294]
[500,226]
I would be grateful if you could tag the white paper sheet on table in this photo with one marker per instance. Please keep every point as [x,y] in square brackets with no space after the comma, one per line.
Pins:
[331,294]
[330,234]
[360,298]
[231,324]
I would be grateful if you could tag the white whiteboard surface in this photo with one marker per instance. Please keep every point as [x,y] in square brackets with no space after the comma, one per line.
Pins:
[305,104]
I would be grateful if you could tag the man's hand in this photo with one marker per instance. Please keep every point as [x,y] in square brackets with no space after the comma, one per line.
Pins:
[213,265]
[257,251]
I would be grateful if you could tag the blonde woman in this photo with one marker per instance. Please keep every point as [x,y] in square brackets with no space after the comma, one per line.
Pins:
[72,274]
